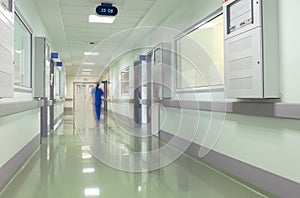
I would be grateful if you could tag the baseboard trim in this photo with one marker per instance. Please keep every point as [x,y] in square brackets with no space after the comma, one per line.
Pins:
[260,178]
[8,170]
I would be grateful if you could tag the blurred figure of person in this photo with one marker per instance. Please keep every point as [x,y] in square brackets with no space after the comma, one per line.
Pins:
[97,96]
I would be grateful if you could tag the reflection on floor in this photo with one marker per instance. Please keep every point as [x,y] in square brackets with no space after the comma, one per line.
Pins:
[118,167]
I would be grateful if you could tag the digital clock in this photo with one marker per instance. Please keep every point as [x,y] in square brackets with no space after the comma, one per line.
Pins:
[106,9]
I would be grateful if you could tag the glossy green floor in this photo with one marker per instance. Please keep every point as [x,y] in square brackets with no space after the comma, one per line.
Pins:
[63,167]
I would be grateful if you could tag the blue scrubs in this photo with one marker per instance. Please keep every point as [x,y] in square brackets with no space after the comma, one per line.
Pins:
[98,101]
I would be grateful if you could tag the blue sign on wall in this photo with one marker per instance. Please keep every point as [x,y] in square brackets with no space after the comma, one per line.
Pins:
[54,55]
[58,64]
[143,57]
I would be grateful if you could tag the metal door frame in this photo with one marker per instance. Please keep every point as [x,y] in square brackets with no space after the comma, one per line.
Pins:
[52,102]
[137,93]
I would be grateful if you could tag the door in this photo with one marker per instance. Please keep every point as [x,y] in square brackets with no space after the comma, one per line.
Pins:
[83,103]
[83,98]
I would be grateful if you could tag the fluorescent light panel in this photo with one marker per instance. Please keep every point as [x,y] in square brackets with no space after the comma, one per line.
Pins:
[86,148]
[88,63]
[101,19]
[86,156]
[88,170]
[86,70]
[91,53]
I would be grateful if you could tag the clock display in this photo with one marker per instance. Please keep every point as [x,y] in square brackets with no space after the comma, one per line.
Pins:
[107,10]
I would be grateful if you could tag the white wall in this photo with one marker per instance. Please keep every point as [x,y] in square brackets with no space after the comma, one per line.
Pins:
[288,37]
[16,131]
[19,129]
[268,143]
[289,50]
[127,60]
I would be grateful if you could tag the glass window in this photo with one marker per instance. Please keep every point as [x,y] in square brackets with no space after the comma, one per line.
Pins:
[200,59]
[22,54]
[125,81]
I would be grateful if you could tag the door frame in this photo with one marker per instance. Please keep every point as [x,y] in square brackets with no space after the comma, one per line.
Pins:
[74,91]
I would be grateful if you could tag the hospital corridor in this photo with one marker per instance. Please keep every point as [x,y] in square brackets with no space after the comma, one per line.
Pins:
[149,99]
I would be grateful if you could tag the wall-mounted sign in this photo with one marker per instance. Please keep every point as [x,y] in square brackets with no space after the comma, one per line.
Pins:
[54,55]
[59,64]
[142,57]
[106,9]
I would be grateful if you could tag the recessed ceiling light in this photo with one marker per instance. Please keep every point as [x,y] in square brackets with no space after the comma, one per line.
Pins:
[88,170]
[88,63]
[86,70]
[86,156]
[86,73]
[101,19]
[91,53]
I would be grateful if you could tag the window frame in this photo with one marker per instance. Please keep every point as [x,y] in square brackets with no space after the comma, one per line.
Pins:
[197,89]
[20,87]
[125,70]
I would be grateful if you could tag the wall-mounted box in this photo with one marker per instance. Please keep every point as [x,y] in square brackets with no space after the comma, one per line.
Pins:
[251,49]
[41,88]
[7,76]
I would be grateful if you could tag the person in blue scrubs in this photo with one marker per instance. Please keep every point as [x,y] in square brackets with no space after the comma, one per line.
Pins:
[97,92]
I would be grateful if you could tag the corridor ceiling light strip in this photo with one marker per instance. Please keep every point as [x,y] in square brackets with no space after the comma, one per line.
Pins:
[88,170]
[86,70]
[88,63]
[86,156]
[101,19]
[91,53]
[86,148]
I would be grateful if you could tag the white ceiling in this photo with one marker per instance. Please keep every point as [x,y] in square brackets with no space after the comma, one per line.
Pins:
[70,32]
